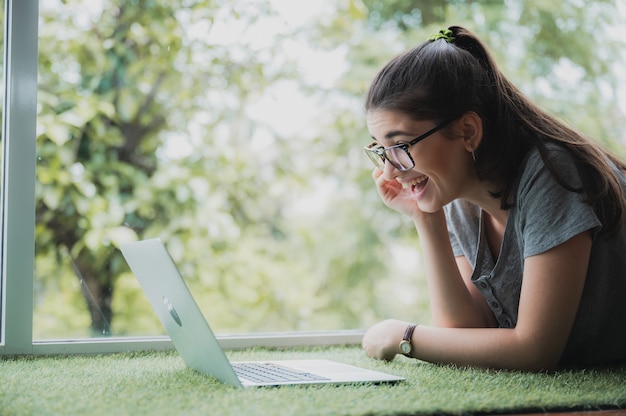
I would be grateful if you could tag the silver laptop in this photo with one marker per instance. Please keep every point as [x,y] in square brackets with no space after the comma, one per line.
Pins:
[195,342]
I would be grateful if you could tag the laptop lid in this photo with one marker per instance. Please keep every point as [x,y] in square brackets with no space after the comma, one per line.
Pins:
[164,287]
[191,334]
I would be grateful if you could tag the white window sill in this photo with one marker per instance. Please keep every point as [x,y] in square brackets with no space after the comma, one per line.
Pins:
[228,342]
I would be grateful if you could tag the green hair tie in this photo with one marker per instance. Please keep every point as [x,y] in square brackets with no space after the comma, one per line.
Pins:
[445,34]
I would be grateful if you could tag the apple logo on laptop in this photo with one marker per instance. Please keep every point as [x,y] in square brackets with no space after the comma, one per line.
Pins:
[172,311]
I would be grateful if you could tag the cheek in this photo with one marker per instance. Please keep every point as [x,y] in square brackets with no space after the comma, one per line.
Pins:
[444,158]
[448,168]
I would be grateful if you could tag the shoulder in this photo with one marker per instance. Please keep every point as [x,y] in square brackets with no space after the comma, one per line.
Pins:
[556,166]
[551,205]
[546,170]
[557,156]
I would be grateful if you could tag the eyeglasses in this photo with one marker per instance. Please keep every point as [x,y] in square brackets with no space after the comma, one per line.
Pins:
[398,155]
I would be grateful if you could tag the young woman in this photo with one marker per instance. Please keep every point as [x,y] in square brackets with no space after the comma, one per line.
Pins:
[520,218]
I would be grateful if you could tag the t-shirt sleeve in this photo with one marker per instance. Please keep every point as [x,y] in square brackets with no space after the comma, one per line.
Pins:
[463,220]
[452,218]
[550,214]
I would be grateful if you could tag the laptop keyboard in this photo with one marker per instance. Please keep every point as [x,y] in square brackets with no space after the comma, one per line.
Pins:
[270,372]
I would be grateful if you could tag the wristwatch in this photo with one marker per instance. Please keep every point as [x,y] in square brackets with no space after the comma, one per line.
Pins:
[405,344]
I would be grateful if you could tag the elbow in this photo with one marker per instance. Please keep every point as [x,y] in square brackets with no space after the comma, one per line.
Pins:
[536,356]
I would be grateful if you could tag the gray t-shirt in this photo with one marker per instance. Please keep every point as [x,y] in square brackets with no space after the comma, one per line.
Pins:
[544,215]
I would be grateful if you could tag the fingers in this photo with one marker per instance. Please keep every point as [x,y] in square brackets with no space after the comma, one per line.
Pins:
[381,340]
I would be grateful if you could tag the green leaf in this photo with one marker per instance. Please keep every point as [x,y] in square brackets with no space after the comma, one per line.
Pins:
[58,133]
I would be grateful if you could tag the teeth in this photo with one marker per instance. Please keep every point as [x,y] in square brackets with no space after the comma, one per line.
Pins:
[414,182]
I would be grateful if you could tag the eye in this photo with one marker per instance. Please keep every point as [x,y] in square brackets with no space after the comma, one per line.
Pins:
[401,145]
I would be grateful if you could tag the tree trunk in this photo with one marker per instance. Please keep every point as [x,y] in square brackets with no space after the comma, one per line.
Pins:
[98,293]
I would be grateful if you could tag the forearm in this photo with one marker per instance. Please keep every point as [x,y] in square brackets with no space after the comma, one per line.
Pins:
[497,348]
[451,302]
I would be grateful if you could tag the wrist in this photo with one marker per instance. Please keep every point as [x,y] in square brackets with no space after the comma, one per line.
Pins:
[406,344]
[428,222]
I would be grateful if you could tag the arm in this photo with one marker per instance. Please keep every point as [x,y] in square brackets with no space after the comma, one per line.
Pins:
[455,301]
[551,292]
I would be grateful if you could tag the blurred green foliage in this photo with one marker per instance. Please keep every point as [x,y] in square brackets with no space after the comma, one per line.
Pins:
[146,128]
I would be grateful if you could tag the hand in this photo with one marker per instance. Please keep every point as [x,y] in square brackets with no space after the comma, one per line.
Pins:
[382,341]
[395,196]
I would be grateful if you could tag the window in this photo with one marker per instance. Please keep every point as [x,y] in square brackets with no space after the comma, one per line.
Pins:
[231,131]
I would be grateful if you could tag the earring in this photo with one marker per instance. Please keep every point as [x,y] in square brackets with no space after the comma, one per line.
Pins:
[473,157]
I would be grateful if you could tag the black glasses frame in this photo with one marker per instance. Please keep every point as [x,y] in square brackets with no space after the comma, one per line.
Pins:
[377,153]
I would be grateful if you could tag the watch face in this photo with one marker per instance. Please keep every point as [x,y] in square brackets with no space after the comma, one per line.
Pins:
[405,347]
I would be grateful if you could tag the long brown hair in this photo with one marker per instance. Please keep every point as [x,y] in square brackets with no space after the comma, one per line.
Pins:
[445,78]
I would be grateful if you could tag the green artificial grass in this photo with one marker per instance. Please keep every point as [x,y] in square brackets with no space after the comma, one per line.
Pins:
[158,383]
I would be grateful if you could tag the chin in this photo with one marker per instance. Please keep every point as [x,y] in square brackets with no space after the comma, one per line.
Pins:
[429,208]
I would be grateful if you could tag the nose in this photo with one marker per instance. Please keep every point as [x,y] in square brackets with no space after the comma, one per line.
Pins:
[390,172]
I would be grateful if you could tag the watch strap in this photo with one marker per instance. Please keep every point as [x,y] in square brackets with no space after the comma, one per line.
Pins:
[408,334]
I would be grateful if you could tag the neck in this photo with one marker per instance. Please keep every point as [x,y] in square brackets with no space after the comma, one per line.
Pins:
[488,203]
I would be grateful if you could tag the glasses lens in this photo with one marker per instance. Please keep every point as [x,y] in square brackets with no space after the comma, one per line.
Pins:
[399,158]
[374,156]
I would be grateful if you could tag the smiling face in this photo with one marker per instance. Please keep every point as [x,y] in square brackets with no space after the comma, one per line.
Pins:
[443,164]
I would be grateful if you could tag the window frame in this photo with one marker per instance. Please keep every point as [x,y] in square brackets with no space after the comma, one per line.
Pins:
[17,197]
[18,164]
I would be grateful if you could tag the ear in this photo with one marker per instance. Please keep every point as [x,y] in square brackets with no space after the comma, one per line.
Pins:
[472,130]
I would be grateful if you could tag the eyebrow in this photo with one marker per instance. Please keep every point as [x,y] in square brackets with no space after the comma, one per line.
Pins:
[394,133]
